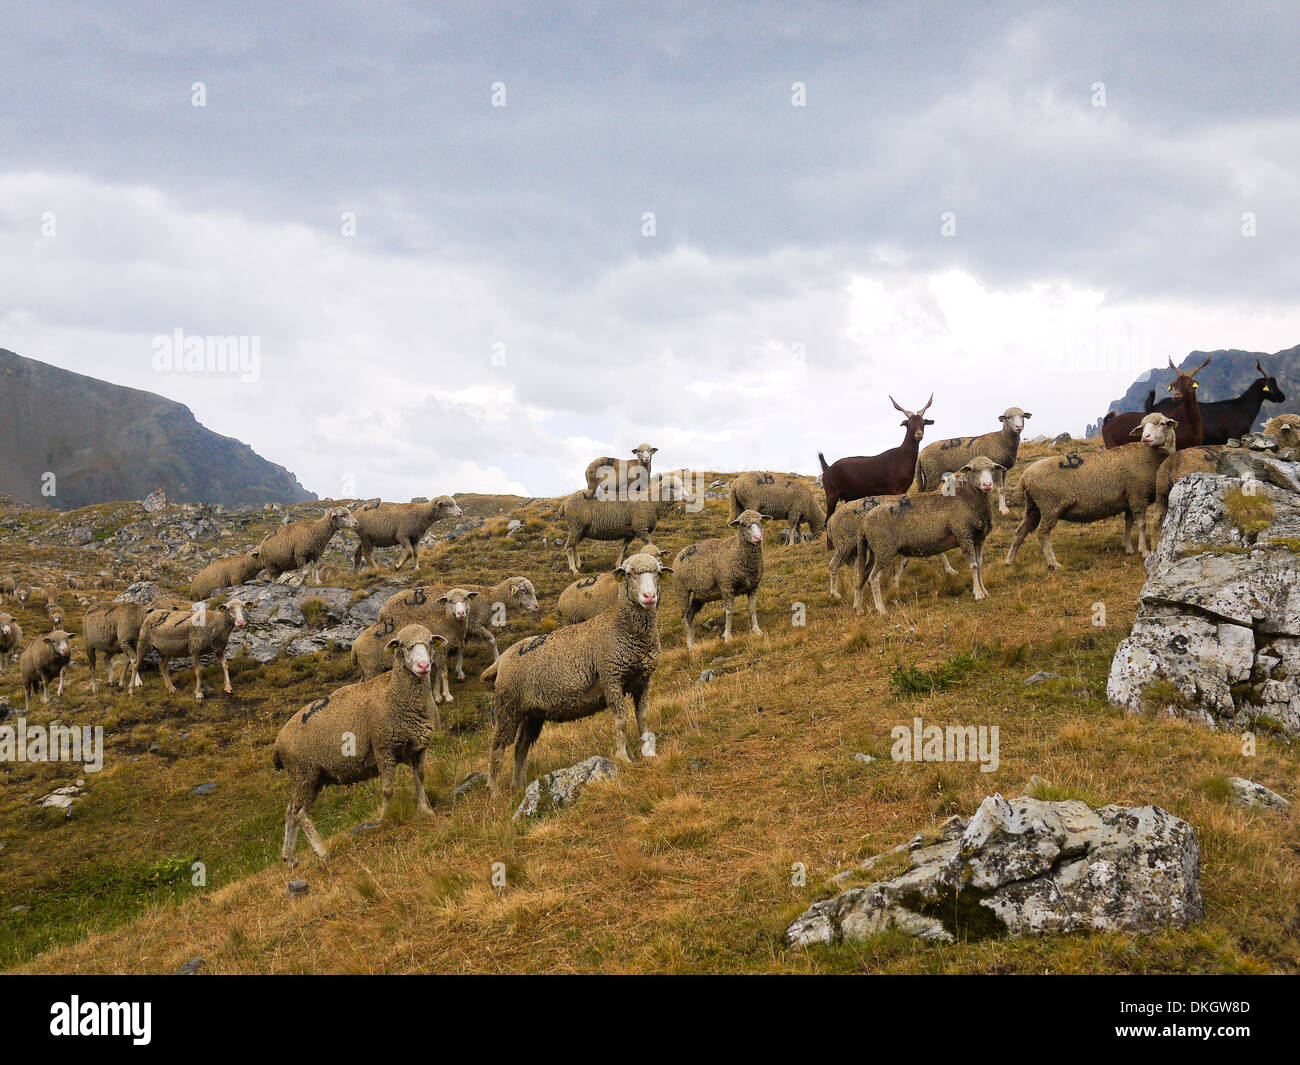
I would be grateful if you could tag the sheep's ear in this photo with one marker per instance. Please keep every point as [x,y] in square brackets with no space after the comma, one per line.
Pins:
[1026,415]
[442,599]
[1002,417]
[620,573]
[394,642]
[666,571]
[1135,430]
[653,450]
[472,595]
[438,636]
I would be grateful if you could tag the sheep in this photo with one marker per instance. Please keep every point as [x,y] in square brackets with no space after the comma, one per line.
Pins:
[779,497]
[842,538]
[721,569]
[513,593]
[45,658]
[228,572]
[23,592]
[1285,428]
[588,596]
[1085,489]
[1176,467]
[947,456]
[928,523]
[359,732]
[1116,428]
[580,670]
[303,542]
[113,628]
[11,638]
[888,473]
[446,615]
[192,633]
[398,525]
[629,519]
[7,586]
[621,474]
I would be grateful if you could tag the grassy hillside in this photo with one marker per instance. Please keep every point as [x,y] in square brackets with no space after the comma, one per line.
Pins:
[684,863]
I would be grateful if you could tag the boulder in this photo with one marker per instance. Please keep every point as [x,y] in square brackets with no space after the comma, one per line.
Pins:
[562,787]
[1247,793]
[1217,634]
[277,624]
[1025,866]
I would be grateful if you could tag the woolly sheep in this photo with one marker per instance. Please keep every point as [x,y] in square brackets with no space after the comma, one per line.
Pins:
[779,497]
[722,569]
[928,523]
[1285,428]
[580,670]
[359,732]
[303,542]
[45,658]
[7,586]
[193,633]
[1076,488]
[11,639]
[228,572]
[616,519]
[842,538]
[112,629]
[398,525]
[446,615]
[614,478]
[23,592]
[588,596]
[946,456]
[1176,467]
[54,611]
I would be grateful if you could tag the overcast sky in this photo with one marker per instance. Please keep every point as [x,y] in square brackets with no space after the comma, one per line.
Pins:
[501,316]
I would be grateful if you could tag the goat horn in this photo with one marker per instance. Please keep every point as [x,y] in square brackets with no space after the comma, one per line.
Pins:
[1263,372]
[1171,363]
[897,407]
[927,405]
[1201,367]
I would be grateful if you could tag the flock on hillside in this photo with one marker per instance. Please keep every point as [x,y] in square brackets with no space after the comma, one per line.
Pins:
[905,503]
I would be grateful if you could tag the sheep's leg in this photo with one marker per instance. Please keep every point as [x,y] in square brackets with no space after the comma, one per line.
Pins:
[446,688]
[1140,517]
[486,633]
[418,765]
[507,726]
[614,699]
[622,551]
[167,680]
[968,552]
[290,834]
[902,565]
[1045,537]
[753,612]
[356,559]
[1128,532]
[225,673]
[94,683]
[1027,525]
[640,703]
[947,566]
[979,569]
[726,629]
[62,671]
[688,621]
[198,677]
[571,556]
[387,771]
[529,730]
[837,560]
[45,691]
[460,661]
[313,837]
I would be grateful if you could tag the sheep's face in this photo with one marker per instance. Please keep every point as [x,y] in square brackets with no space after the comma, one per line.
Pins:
[60,643]
[56,616]
[640,575]
[643,453]
[342,518]
[1157,430]
[449,508]
[235,609]
[416,644]
[522,595]
[750,524]
[6,625]
[457,603]
[1013,418]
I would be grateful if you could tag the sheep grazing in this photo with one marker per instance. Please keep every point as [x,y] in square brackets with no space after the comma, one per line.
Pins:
[1080,488]
[580,670]
[1285,429]
[45,658]
[7,586]
[722,569]
[11,639]
[398,525]
[1117,429]
[1176,467]
[228,572]
[23,592]
[359,732]
[948,456]
[629,519]
[588,596]
[446,615]
[929,523]
[303,542]
[889,473]
[1227,419]
[54,611]
[783,498]
[614,478]
[193,633]
[842,538]
[113,629]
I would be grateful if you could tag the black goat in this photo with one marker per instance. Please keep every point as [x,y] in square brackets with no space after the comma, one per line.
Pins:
[1228,419]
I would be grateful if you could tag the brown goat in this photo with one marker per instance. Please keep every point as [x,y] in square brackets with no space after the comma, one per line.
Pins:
[887,474]
[1117,429]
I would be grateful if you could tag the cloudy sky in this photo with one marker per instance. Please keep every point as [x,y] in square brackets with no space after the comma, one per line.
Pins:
[480,245]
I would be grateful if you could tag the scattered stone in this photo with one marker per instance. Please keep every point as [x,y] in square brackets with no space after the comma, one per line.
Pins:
[155,501]
[1027,867]
[562,787]
[863,758]
[204,789]
[1259,442]
[297,889]
[81,535]
[20,908]
[1247,793]
[706,676]
[63,798]
[8,710]
[514,524]
[473,782]
[1063,438]
[1039,677]
[191,967]
[364,827]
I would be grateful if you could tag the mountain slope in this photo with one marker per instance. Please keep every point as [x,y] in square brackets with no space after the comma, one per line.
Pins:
[107,442]
[1229,375]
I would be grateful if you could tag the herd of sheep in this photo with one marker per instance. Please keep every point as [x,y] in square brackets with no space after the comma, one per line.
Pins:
[902,504]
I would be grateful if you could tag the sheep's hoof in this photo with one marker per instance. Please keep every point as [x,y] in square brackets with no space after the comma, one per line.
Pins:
[1053,565]
[290,863]
[229,691]
[198,696]
[460,675]
[424,811]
